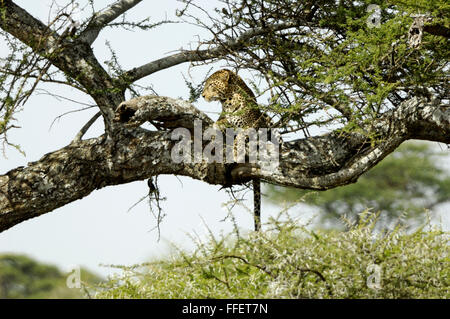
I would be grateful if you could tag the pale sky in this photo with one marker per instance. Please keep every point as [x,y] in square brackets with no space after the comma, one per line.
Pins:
[98,229]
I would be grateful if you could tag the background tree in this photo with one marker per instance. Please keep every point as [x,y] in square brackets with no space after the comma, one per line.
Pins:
[323,66]
[23,277]
[400,188]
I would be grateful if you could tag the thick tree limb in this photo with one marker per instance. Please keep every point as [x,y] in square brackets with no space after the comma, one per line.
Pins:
[414,119]
[171,113]
[319,162]
[28,29]
[75,58]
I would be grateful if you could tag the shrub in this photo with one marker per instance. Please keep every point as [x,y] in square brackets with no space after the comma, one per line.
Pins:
[292,261]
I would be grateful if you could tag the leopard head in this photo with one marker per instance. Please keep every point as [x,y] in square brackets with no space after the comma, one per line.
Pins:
[216,86]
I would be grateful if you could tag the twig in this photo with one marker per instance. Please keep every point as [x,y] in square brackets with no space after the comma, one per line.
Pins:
[86,127]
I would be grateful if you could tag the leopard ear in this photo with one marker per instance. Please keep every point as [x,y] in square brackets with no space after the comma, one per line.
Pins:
[226,76]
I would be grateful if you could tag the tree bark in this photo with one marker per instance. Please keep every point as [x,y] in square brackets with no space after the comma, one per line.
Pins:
[320,162]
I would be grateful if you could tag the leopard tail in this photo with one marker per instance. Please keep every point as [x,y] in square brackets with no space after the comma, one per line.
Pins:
[257,203]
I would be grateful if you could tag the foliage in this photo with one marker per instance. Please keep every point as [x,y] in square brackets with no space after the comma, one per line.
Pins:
[409,180]
[334,58]
[290,261]
[23,277]
[327,65]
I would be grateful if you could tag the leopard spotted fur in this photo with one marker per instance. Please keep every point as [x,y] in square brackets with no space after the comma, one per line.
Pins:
[239,110]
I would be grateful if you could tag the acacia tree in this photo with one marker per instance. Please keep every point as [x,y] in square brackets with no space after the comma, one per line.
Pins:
[373,77]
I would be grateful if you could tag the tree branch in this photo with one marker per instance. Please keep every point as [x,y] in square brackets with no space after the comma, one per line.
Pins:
[100,20]
[74,58]
[319,162]
[351,155]
[86,127]
[171,113]
[202,55]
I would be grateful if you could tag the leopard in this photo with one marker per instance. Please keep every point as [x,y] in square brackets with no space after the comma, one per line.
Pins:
[239,106]
[239,110]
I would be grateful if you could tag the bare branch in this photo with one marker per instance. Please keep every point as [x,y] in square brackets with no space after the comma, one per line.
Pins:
[86,127]
[100,20]
[202,55]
